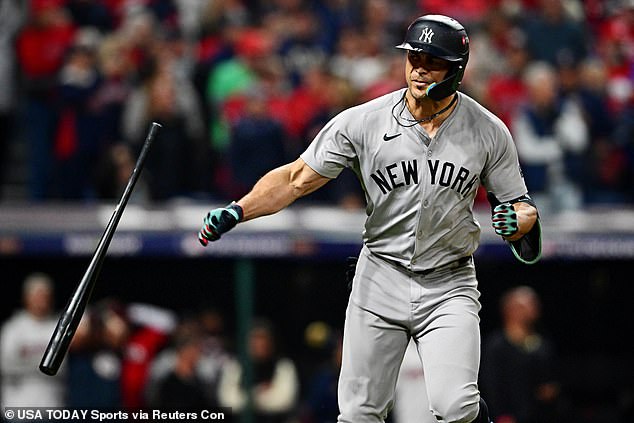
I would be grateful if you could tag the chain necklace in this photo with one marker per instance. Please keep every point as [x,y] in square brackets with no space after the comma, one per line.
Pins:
[413,122]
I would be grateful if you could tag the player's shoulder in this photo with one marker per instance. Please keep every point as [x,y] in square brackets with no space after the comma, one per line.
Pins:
[478,111]
[478,116]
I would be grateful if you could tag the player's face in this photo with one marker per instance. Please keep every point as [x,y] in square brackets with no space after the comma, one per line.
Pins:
[421,70]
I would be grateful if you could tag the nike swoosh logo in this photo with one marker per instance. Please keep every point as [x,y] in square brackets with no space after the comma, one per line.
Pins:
[387,137]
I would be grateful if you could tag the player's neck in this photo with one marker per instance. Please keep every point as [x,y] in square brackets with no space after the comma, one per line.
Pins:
[430,112]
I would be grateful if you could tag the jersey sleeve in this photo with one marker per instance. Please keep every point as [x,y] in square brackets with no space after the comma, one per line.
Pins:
[332,149]
[502,174]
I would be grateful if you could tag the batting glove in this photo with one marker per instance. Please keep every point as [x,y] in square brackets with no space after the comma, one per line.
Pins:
[218,221]
[504,219]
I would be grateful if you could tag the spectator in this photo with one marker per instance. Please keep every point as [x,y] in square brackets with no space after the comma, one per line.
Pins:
[301,46]
[257,143]
[357,59]
[305,102]
[95,356]
[117,71]
[615,46]
[226,83]
[181,386]
[505,91]
[171,101]
[553,35]
[274,390]
[234,76]
[12,16]
[493,48]
[518,364]
[141,30]
[151,328]
[214,349]
[194,360]
[219,51]
[605,160]
[320,398]
[382,22]
[77,139]
[392,79]
[41,48]
[23,339]
[551,136]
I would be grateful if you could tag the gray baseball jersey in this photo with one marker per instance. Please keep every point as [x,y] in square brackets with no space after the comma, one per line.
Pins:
[420,191]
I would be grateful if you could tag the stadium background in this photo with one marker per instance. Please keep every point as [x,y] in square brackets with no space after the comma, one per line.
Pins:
[295,263]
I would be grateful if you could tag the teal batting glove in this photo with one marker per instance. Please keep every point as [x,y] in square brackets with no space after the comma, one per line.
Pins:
[218,221]
[504,220]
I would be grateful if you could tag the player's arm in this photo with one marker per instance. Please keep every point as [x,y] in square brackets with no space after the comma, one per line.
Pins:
[279,188]
[273,192]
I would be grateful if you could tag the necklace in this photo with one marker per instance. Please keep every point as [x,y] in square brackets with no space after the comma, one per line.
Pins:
[413,122]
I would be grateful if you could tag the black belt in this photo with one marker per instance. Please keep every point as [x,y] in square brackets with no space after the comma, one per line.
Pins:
[456,263]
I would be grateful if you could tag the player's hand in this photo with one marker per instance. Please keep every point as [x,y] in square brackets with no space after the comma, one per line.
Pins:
[218,221]
[505,220]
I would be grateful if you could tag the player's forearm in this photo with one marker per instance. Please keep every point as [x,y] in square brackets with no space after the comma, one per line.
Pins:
[269,195]
[526,218]
[279,188]
[274,191]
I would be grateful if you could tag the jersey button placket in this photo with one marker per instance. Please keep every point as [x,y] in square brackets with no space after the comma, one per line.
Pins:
[425,203]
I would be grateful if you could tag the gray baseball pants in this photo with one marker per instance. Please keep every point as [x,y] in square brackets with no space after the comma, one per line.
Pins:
[387,306]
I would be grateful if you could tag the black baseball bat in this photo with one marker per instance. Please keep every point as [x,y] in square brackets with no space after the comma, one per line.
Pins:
[72,314]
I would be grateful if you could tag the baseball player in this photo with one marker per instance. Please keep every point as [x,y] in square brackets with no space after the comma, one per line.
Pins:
[420,153]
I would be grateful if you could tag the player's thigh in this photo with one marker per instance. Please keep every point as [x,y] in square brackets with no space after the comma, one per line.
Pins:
[373,350]
[450,351]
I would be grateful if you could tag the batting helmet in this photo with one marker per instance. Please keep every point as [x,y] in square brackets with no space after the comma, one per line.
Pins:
[443,37]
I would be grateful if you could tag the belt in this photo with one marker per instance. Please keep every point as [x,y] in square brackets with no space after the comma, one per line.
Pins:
[456,263]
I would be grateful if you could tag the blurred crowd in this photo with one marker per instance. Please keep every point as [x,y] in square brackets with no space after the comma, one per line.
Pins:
[132,356]
[242,86]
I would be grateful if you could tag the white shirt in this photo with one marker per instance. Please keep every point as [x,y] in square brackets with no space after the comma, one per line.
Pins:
[23,341]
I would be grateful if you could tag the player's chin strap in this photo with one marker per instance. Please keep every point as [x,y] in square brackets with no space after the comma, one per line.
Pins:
[527,249]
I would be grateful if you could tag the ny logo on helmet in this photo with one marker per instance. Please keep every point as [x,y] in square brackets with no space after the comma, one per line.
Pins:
[426,35]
